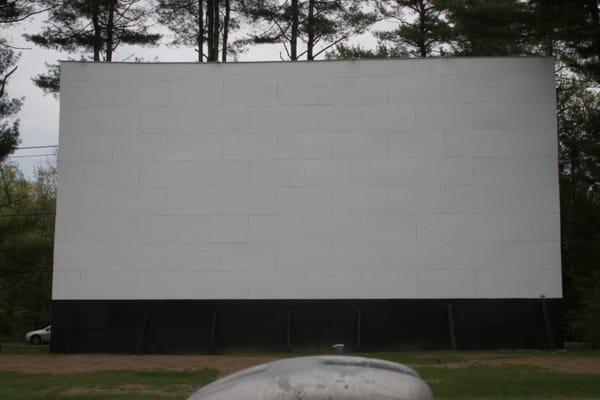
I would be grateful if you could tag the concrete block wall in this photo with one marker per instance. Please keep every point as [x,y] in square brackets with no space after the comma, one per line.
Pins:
[431,178]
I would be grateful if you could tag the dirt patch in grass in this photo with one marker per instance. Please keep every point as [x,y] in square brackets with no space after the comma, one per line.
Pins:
[70,364]
[128,389]
[574,365]
[226,364]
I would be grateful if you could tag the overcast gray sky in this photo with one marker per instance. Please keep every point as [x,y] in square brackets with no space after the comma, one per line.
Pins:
[39,114]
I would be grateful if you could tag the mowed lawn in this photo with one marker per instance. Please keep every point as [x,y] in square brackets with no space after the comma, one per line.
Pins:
[451,375]
[117,385]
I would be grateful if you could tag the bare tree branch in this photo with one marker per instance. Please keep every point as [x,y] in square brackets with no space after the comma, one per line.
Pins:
[25,16]
[5,79]
[330,45]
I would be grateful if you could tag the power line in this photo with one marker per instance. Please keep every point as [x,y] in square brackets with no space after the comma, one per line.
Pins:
[33,155]
[36,147]
[26,215]
[25,271]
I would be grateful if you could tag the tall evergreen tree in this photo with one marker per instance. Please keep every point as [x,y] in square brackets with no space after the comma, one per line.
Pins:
[486,28]
[192,23]
[306,28]
[344,51]
[98,27]
[12,12]
[9,107]
[421,28]
[582,36]
[26,247]
[579,134]
[544,24]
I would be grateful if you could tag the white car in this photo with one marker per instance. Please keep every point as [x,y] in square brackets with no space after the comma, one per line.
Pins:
[38,337]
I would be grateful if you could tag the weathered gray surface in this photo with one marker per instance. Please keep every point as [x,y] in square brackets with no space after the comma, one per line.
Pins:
[370,179]
[320,378]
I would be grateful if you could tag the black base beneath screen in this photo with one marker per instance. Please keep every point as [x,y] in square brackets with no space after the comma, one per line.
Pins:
[212,326]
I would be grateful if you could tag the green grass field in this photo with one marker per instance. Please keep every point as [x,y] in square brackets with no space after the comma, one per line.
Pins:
[510,382]
[115,385]
[450,375]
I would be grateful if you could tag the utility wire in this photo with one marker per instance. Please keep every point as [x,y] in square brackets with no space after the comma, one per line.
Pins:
[26,215]
[36,147]
[24,271]
[33,155]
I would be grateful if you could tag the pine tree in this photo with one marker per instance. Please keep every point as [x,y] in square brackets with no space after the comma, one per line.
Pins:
[581,34]
[9,107]
[421,31]
[26,245]
[192,23]
[306,28]
[579,135]
[486,28]
[98,27]
[12,12]
[343,51]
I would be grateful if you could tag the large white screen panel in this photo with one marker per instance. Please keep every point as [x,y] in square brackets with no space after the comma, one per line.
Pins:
[431,178]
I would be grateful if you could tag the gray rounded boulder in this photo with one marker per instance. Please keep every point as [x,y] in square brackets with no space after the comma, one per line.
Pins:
[320,378]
